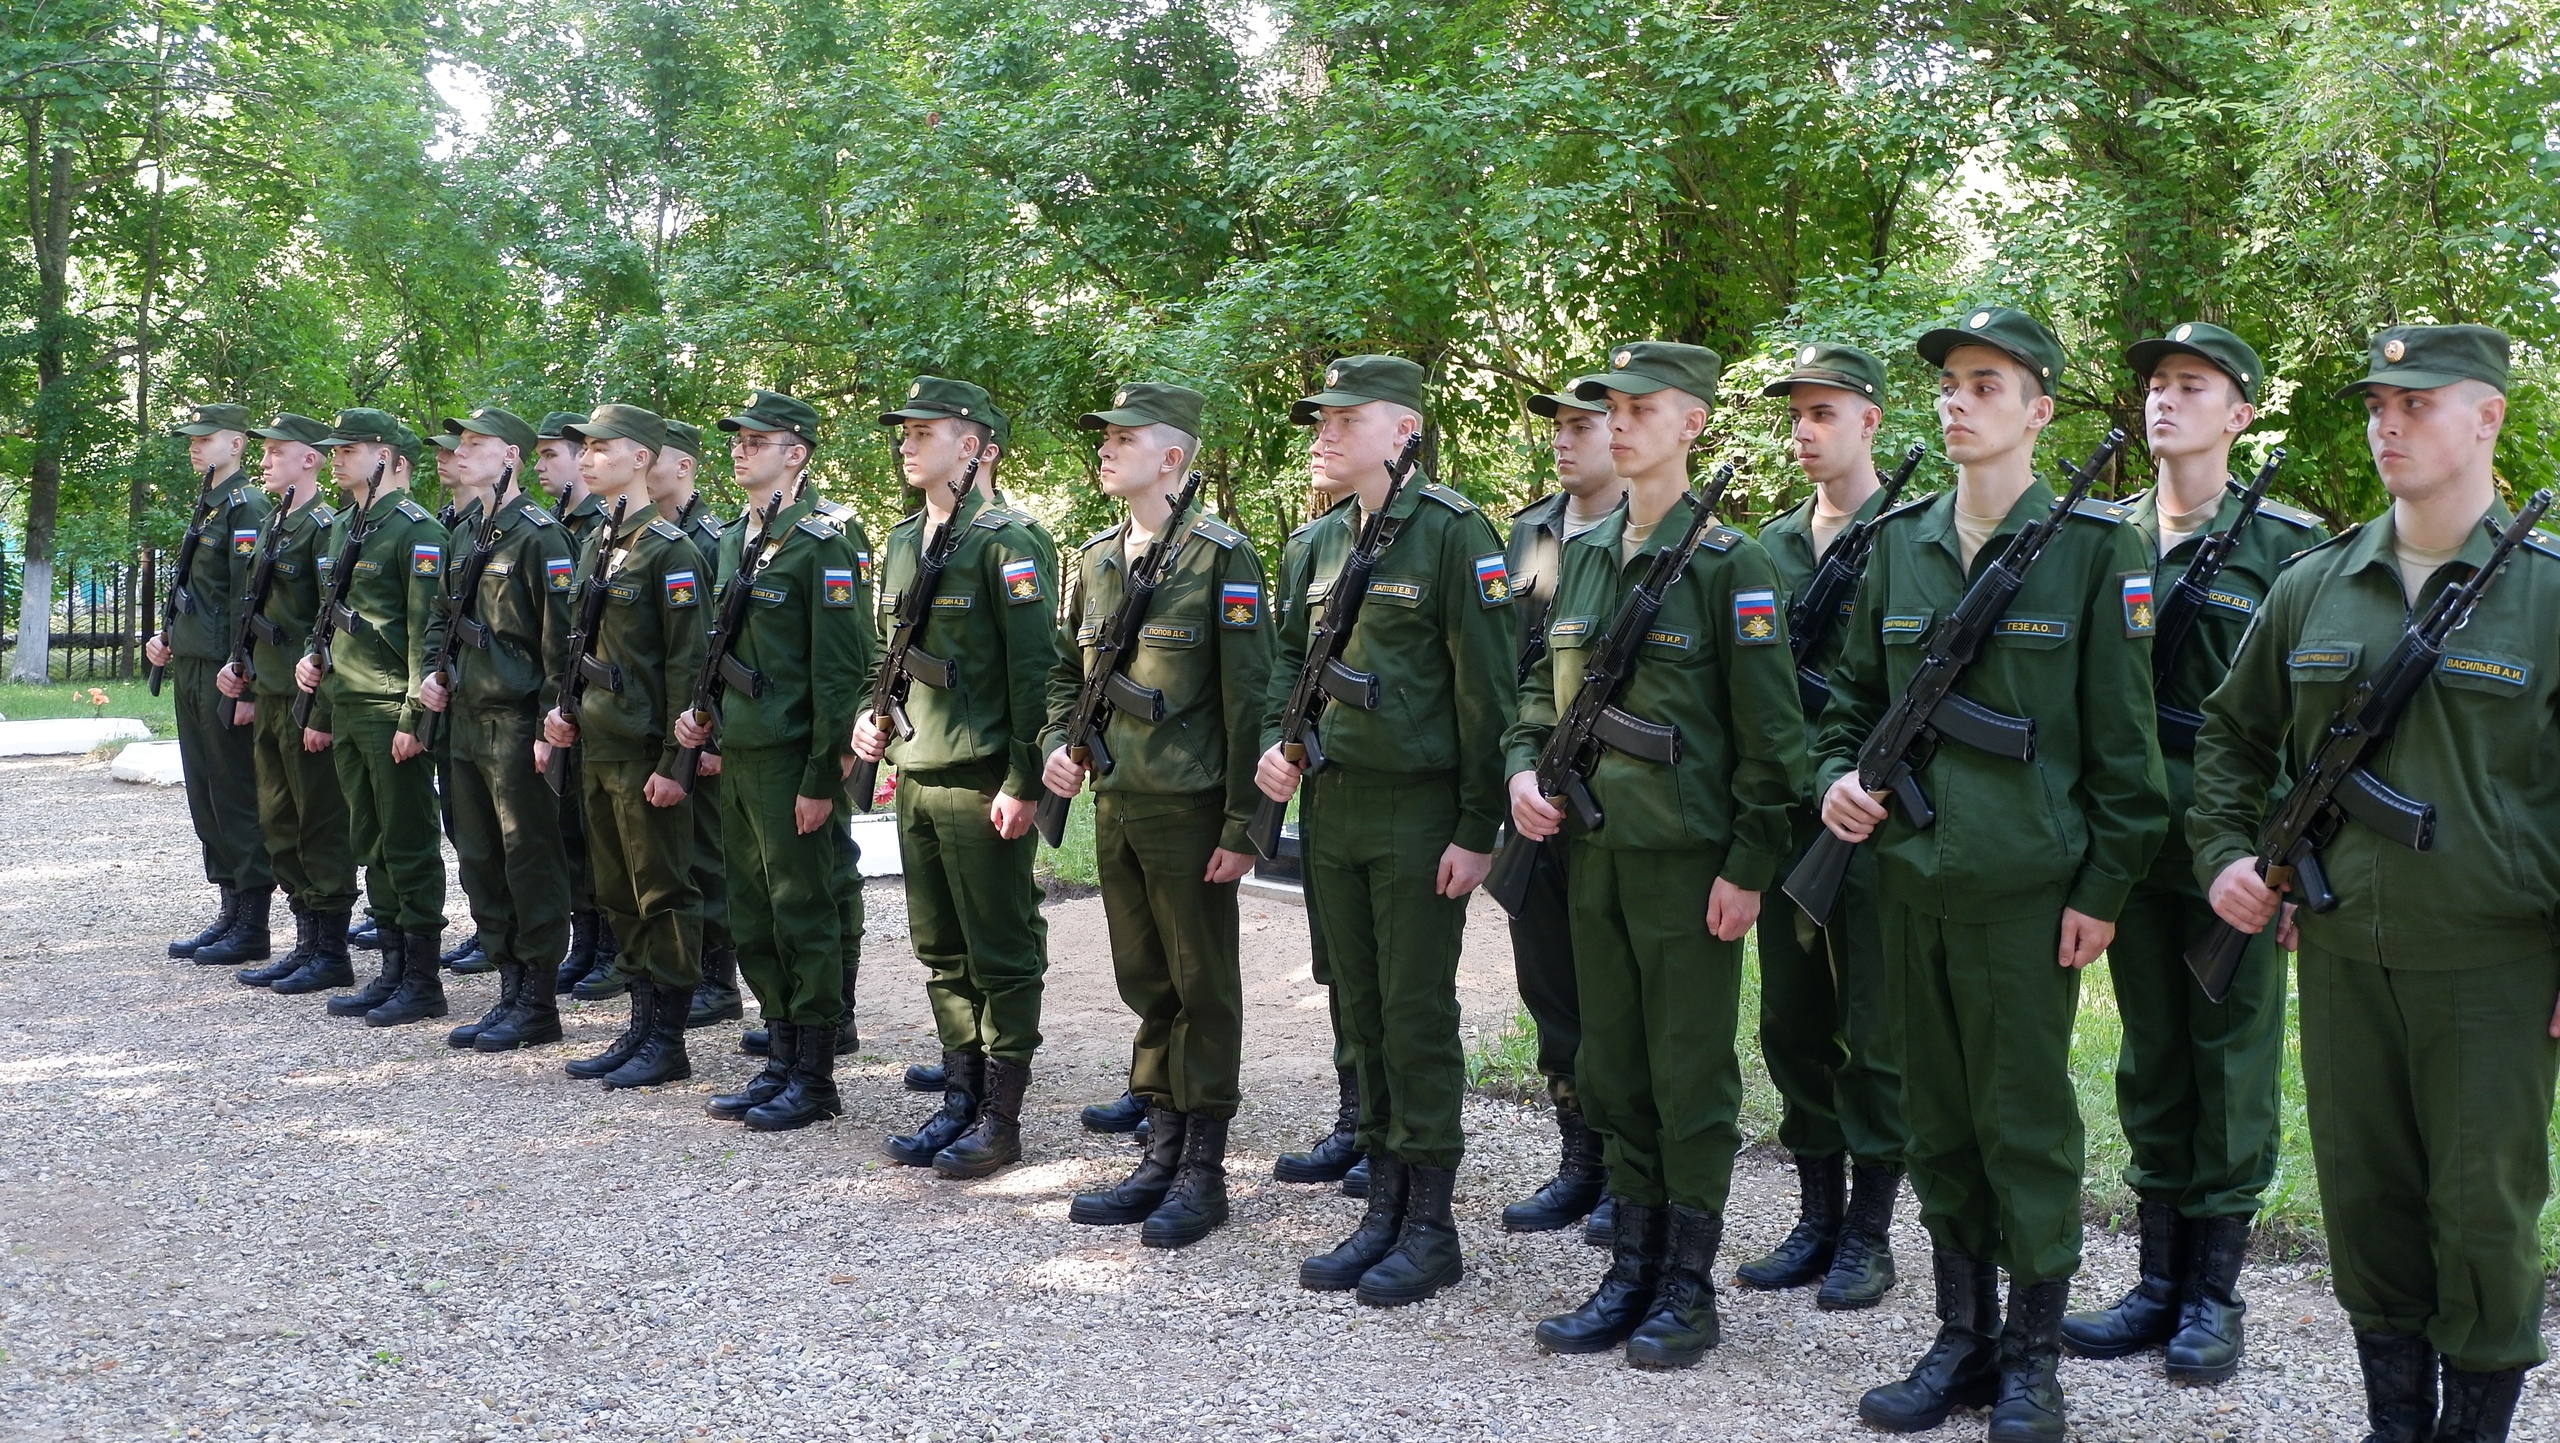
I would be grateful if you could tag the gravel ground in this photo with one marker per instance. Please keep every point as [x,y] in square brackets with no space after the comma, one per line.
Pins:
[225,1215]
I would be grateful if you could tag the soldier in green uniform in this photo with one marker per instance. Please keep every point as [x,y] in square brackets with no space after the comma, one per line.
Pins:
[1169,816]
[2428,995]
[1662,894]
[1990,913]
[592,947]
[968,782]
[2196,1081]
[213,731]
[506,822]
[1825,1023]
[802,653]
[648,648]
[1400,825]
[301,812]
[464,504]
[1589,488]
[393,620]
[675,493]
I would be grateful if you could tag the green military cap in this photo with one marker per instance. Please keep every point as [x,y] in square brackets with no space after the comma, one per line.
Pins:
[999,425]
[930,398]
[1358,380]
[2231,354]
[614,421]
[1149,403]
[2013,333]
[2421,358]
[1551,403]
[555,426]
[206,420]
[444,440]
[507,426]
[686,437]
[288,426]
[1827,363]
[364,423]
[774,411]
[1640,368]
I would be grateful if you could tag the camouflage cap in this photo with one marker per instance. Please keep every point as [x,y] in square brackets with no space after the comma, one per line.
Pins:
[1149,403]
[685,437]
[1358,380]
[2421,358]
[290,426]
[613,422]
[1828,363]
[1640,368]
[507,426]
[364,423]
[1553,404]
[2231,355]
[2012,332]
[774,411]
[207,420]
[930,398]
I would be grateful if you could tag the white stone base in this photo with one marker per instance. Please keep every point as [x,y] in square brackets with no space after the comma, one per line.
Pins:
[877,835]
[150,763]
[67,736]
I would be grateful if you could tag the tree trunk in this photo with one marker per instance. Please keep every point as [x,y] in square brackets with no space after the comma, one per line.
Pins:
[49,227]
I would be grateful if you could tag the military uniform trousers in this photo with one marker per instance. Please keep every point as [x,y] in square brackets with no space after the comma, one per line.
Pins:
[1996,1142]
[1826,1031]
[222,778]
[1319,961]
[973,911]
[2196,1081]
[506,833]
[711,860]
[1173,946]
[1661,998]
[573,840]
[301,813]
[1392,940]
[2430,1097]
[794,899]
[1542,966]
[643,858]
[391,817]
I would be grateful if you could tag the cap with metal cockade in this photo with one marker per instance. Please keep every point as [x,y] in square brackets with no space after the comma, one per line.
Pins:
[507,426]
[206,420]
[1640,368]
[365,423]
[685,438]
[292,426]
[2421,358]
[1829,363]
[1149,403]
[617,422]
[774,411]
[1358,380]
[931,398]
[555,425]
[1553,404]
[2229,354]
[2006,329]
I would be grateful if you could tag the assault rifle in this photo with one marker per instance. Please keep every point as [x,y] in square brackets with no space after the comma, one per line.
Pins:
[721,668]
[1594,720]
[1107,687]
[2335,787]
[252,626]
[1322,676]
[583,666]
[1834,582]
[2186,601]
[461,599]
[902,663]
[1929,707]
[178,600]
[335,615]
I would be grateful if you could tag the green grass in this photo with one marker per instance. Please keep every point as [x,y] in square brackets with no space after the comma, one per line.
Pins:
[20,701]
[1073,861]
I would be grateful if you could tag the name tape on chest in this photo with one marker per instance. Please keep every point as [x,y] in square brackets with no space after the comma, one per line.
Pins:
[1239,605]
[2231,601]
[1673,640]
[1755,616]
[2035,626]
[2485,668]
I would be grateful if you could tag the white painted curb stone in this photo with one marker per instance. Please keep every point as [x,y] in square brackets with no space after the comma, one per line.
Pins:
[151,763]
[878,837]
[67,736]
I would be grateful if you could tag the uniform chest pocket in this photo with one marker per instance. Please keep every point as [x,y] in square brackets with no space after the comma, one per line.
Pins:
[2319,661]
[1405,592]
[1904,628]
[1169,634]
[2490,673]
[2031,633]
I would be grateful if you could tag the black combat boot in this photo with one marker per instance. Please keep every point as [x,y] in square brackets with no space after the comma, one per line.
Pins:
[964,1081]
[582,952]
[466,958]
[1962,1367]
[2149,1313]
[247,939]
[609,977]
[1565,1199]
[810,1096]
[1625,1294]
[644,1000]
[1862,1266]
[762,1088]
[378,991]
[2206,1347]
[226,914]
[531,1022]
[1355,1183]
[510,986]
[661,1058]
[2399,1386]
[1336,1151]
[1340,1271]
[923,1077]
[328,965]
[1804,1254]
[1682,1325]
[305,928]
[1425,1258]
[758,1042]
[1144,1189]
[1122,1114]
[365,936]
[1198,1201]
[1600,1229]
[715,997]
[995,1139]
[421,991]
[2478,1407]
[2029,1409]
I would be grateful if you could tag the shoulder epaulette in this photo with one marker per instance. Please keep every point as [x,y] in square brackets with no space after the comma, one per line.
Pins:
[1447,497]
[1099,537]
[239,496]
[1551,501]
[832,510]
[538,516]
[2114,513]
[2543,541]
[413,510]
[321,515]
[992,519]
[1306,526]
[1217,533]
[1719,538]
[819,526]
[664,530]
[1907,507]
[2323,546]
[711,524]
[2289,515]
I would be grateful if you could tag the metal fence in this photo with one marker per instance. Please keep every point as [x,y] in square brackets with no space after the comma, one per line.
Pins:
[100,614]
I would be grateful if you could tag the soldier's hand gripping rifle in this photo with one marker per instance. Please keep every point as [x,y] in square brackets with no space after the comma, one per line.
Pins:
[1594,720]
[1929,708]
[1107,688]
[902,662]
[721,668]
[1322,676]
[2335,787]
[460,601]
[1834,582]
[335,615]
[179,599]
[252,626]
[584,669]
[2186,601]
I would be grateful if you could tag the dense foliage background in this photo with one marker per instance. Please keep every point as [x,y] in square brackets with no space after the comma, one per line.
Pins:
[547,203]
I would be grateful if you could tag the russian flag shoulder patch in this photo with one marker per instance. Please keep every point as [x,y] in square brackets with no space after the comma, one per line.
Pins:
[1493,579]
[1239,605]
[1022,580]
[559,572]
[2141,618]
[1755,616]
[244,543]
[426,559]
[835,586]
[680,588]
